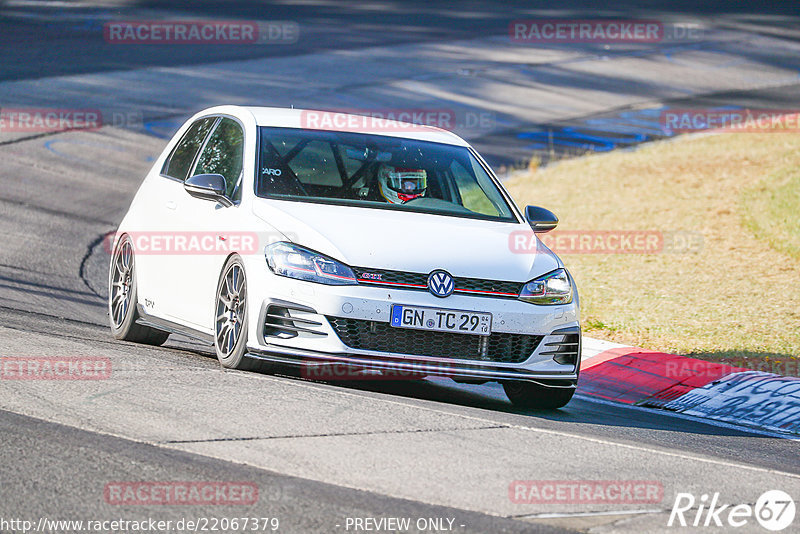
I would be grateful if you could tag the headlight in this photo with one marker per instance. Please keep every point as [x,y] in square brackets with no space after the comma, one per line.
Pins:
[552,288]
[285,259]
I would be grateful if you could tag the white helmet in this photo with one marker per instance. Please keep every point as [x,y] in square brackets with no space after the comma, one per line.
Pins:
[399,185]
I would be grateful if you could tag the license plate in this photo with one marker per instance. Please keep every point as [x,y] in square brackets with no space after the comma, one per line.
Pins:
[440,320]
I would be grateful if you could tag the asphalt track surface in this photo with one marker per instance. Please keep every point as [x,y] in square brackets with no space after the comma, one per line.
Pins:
[319,453]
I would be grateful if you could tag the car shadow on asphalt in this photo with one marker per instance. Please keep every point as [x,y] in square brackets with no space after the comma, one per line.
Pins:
[582,410]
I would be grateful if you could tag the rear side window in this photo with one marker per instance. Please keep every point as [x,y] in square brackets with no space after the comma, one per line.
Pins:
[178,163]
[223,155]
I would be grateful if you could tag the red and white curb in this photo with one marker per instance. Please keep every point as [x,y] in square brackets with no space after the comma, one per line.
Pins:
[708,390]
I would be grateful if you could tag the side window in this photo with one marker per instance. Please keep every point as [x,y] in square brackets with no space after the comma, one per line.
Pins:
[223,155]
[473,197]
[178,163]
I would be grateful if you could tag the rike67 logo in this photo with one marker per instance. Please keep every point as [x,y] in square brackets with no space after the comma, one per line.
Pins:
[774,510]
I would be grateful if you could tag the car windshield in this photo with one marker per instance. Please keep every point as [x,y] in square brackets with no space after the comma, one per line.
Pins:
[377,171]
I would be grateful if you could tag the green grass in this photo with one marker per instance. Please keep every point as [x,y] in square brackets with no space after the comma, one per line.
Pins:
[772,211]
[734,299]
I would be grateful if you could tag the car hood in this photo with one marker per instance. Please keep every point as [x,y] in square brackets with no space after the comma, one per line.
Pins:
[409,241]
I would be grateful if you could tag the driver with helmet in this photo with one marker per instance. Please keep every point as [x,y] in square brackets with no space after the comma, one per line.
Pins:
[398,185]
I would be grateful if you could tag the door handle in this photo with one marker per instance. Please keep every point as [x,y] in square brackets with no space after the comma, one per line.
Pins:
[171,204]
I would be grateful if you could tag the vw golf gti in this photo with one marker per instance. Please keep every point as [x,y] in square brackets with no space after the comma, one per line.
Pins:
[306,238]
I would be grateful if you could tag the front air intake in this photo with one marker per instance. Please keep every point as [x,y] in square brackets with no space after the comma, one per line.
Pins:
[279,321]
[567,351]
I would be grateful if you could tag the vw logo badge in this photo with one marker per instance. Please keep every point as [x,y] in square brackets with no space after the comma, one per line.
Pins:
[441,284]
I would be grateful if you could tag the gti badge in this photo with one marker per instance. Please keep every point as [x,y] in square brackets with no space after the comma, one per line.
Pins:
[441,284]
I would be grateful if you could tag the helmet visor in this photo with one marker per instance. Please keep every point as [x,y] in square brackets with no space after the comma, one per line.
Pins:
[408,181]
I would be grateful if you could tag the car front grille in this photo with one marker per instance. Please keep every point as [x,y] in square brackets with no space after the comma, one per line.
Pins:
[419,281]
[379,336]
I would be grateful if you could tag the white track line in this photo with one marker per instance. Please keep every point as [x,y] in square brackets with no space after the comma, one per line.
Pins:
[559,515]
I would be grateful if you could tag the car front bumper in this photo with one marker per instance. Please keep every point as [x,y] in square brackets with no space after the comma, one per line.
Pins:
[298,317]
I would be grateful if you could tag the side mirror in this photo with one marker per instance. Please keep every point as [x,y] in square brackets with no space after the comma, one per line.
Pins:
[207,187]
[540,219]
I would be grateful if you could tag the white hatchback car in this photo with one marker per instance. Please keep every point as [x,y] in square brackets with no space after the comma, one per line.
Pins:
[311,239]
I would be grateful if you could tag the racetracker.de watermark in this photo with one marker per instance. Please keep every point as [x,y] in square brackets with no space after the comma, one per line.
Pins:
[731,120]
[585,492]
[55,368]
[46,120]
[201,32]
[396,119]
[600,31]
[387,371]
[679,369]
[188,243]
[143,524]
[149,493]
[606,242]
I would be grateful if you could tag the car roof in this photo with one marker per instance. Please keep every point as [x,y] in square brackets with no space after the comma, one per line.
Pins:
[378,124]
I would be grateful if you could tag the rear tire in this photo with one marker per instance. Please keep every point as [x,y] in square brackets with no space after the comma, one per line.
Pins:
[122,299]
[530,395]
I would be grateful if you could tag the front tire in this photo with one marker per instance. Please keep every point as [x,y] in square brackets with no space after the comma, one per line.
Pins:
[230,322]
[529,395]
[122,299]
